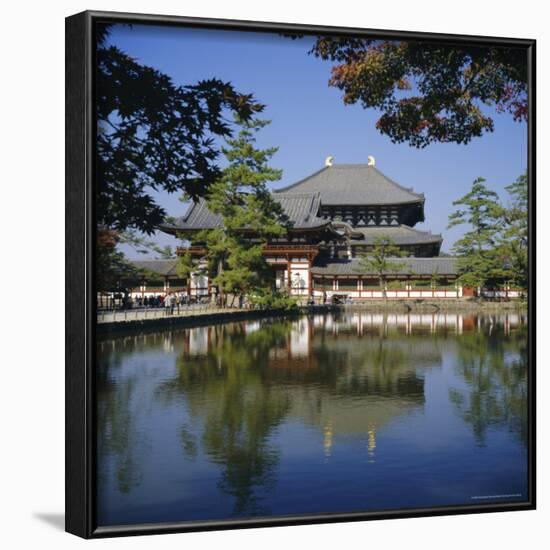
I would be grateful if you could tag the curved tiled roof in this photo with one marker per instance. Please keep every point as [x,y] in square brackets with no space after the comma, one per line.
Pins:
[301,208]
[399,234]
[354,184]
[412,266]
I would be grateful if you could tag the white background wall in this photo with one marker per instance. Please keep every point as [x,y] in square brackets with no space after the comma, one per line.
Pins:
[32,218]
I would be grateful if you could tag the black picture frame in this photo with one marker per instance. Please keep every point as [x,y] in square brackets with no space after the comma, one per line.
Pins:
[80,308]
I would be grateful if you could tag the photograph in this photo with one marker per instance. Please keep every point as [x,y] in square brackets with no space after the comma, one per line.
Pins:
[312,282]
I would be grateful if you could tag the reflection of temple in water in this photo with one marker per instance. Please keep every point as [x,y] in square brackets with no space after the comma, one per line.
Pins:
[351,387]
[361,321]
[198,341]
[237,390]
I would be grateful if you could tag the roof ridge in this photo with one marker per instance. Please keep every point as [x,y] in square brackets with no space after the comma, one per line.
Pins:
[349,164]
[296,195]
[291,186]
[390,181]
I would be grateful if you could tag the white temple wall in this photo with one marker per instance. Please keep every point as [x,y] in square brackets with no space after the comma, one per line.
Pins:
[396,294]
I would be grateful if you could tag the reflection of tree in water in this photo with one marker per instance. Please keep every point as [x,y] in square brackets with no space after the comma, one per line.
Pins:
[238,410]
[494,367]
[244,384]
[245,381]
[381,369]
[116,418]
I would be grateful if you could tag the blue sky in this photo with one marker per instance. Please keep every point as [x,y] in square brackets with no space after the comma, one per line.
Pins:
[310,121]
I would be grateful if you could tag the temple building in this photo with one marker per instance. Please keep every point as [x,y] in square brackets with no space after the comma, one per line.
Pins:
[336,215]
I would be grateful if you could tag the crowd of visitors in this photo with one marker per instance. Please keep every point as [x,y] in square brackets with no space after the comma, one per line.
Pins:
[172,301]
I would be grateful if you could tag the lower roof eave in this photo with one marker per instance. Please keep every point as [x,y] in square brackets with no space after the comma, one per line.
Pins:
[412,266]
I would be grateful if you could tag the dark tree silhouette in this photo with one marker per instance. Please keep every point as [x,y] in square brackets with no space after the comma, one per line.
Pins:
[155,135]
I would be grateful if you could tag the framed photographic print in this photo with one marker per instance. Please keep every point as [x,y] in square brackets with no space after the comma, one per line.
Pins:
[300,274]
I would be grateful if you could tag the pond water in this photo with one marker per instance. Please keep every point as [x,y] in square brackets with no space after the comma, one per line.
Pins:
[328,413]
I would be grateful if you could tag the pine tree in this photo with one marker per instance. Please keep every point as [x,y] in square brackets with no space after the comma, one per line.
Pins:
[250,216]
[185,266]
[514,243]
[480,260]
[381,260]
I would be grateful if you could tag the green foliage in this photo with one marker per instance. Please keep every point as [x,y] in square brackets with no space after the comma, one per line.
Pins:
[514,242]
[494,250]
[436,279]
[185,266]
[381,259]
[155,136]
[480,259]
[273,299]
[428,92]
[164,252]
[250,216]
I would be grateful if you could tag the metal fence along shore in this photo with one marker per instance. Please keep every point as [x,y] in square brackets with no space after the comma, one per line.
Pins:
[143,314]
